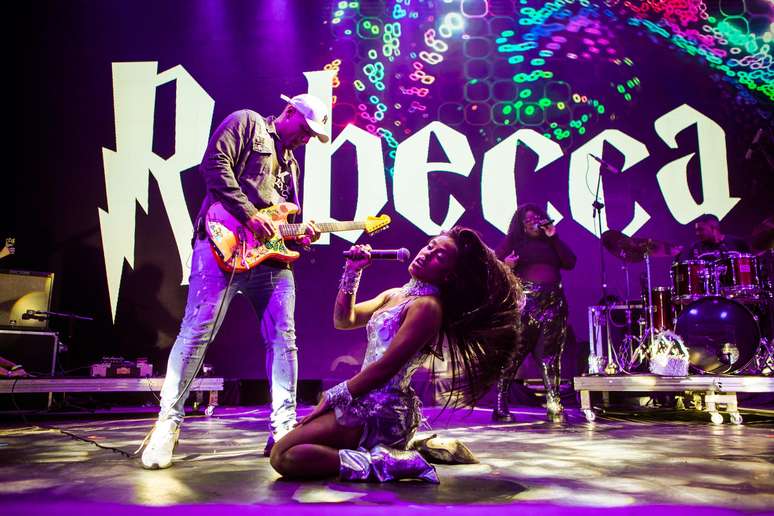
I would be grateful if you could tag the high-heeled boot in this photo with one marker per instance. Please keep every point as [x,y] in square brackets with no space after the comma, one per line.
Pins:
[501,412]
[438,450]
[384,464]
[551,381]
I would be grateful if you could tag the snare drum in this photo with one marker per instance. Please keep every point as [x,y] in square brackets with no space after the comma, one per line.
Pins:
[691,280]
[738,275]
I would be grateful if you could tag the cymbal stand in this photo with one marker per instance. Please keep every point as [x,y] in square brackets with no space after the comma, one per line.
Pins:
[611,367]
[648,338]
[629,339]
[650,296]
[625,267]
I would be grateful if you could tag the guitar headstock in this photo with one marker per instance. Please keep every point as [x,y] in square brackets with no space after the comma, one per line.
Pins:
[376,224]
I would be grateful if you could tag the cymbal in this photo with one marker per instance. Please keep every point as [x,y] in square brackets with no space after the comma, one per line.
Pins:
[763,235]
[622,246]
[658,248]
[633,249]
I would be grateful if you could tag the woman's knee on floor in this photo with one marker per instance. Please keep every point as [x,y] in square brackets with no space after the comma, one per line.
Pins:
[286,462]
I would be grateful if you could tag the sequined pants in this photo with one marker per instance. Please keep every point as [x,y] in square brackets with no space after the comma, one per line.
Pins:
[544,331]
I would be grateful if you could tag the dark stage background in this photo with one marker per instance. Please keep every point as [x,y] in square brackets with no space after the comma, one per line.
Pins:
[565,70]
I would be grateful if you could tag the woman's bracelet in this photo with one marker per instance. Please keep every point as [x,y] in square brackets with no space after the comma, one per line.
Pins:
[338,395]
[350,280]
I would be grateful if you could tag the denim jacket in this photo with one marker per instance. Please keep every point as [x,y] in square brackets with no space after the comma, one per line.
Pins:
[242,169]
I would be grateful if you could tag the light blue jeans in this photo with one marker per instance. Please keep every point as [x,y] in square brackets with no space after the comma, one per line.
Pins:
[272,292]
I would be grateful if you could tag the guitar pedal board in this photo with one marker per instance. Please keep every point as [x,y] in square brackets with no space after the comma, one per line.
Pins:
[115,367]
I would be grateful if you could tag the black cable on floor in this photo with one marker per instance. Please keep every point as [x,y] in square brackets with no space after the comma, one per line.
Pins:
[64,432]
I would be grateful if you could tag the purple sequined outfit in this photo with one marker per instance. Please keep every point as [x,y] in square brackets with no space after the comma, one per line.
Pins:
[390,415]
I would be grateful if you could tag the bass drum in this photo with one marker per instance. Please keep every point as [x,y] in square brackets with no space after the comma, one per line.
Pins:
[722,335]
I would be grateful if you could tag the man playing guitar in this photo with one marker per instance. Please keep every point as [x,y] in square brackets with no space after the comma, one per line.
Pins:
[248,167]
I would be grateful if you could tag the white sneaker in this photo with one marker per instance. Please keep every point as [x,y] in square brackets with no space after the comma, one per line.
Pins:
[160,445]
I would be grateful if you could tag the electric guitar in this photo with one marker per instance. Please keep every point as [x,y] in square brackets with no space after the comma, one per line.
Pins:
[236,248]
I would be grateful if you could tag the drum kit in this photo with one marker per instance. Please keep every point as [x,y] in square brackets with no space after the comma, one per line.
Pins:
[714,318]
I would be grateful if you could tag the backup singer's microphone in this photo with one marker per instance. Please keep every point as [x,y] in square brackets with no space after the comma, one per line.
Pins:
[608,166]
[400,255]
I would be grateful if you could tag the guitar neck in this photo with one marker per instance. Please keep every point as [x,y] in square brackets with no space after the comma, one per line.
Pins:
[290,230]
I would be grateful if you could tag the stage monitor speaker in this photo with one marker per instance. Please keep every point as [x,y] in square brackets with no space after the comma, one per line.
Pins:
[21,291]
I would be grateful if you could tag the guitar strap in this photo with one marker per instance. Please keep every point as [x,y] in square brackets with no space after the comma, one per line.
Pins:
[291,169]
[293,166]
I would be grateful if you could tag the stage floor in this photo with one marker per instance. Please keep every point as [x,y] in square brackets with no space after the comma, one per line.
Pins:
[619,464]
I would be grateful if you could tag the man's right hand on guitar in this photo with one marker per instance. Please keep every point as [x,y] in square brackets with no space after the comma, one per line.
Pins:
[262,226]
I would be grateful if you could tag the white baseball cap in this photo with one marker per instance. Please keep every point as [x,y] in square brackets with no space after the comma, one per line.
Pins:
[313,110]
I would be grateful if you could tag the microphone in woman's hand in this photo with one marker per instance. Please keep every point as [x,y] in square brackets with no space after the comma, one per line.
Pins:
[400,255]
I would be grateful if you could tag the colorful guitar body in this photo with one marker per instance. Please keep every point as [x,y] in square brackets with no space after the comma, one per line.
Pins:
[236,248]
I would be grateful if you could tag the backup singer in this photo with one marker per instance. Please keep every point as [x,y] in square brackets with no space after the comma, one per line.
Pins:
[361,427]
[248,165]
[536,254]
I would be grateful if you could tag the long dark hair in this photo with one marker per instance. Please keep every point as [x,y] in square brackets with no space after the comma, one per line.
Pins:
[516,233]
[482,305]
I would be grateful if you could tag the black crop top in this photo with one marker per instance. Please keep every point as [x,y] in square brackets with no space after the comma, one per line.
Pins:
[546,250]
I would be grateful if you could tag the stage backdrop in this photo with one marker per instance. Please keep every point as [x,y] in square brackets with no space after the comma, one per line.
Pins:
[443,112]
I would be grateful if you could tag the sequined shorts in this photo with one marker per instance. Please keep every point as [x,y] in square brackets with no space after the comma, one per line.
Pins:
[388,416]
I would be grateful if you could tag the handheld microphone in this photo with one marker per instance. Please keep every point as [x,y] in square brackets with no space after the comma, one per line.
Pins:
[608,166]
[545,223]
[400,255]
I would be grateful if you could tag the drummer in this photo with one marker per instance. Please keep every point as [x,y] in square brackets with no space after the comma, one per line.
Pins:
[711,239]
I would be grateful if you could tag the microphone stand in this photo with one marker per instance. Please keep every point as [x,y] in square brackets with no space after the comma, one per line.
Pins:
[42,315]
[611,367]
